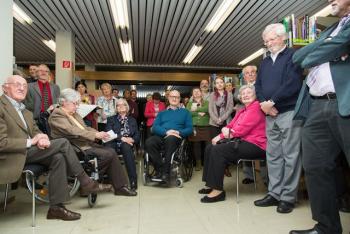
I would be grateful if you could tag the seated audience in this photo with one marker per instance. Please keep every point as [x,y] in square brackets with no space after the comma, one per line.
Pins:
[86,98]
[200,120]
[169,127]
[20,137]
[128,135]
[107,102]
[247,131]
[65,122]
[153,107]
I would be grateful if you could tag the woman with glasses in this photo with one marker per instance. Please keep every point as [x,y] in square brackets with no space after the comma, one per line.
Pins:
[200,119]
[125,126]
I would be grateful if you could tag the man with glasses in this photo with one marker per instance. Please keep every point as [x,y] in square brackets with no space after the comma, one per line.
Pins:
[169,127]
[277,88]
[42,95]
[22,142]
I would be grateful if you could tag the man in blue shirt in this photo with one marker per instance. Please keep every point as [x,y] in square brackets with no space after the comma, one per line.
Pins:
[277,88]
[169,127]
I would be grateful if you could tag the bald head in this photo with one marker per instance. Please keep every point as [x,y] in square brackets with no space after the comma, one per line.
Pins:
[15,87]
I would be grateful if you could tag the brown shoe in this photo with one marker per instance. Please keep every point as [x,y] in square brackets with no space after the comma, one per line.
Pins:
[125,191]
[58,212]
[92,187]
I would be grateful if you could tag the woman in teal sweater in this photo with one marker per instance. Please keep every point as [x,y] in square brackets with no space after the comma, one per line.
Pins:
[200,119]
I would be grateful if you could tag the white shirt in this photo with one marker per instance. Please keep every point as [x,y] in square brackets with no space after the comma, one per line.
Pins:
[319,78]
[274,56]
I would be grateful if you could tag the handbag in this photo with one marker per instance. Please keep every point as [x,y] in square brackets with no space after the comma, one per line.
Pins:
[235,141]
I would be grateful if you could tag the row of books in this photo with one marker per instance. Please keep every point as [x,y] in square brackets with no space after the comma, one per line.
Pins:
[301,31]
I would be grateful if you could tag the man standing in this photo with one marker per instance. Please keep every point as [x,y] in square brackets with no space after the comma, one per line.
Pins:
[42,94]
[169,127]
[277,88]
[32,73]
[20,137]
[204,86]
[324,104]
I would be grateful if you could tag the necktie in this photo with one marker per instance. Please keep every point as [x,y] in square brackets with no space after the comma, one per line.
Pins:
[46,97]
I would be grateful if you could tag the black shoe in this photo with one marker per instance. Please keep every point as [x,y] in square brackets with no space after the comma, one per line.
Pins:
[285,207]
[205,191]
[309,231]
[125,191]
[165,179]
[344,204]
[268,200]
[247,181]
[133,185]
[220,197]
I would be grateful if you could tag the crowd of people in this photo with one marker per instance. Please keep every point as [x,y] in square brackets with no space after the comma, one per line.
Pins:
[273,116]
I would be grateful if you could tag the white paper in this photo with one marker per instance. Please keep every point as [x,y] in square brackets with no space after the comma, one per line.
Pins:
[85,109]
[112,136]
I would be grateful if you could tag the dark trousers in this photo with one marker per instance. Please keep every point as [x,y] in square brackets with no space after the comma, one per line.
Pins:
[324,135]
[129,159]
[108,162]
[217,157]
[61,159]
[155,144]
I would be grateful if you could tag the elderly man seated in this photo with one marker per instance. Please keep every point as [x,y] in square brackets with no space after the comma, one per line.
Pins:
[20,137]
[169,127]
[65,122]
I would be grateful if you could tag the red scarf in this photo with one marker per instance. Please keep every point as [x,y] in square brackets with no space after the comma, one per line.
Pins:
[41,87]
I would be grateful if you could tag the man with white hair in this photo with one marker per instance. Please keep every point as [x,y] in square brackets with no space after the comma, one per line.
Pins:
[20,138]
[277,87]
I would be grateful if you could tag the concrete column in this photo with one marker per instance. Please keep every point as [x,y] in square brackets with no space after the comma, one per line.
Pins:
[6,40]
[65,59]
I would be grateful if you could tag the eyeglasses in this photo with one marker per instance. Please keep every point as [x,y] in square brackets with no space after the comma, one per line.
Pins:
[18,85]
[121,105]
[44,71]
[75,103]
[250,73]
[174,97]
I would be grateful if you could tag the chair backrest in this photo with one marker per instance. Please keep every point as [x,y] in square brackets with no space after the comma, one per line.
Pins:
[11,168]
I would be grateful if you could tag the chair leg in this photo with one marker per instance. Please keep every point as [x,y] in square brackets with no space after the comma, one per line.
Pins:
[6,195]
[254,175]
[237,182]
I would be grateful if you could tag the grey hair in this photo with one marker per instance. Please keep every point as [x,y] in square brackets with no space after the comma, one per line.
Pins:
[253,66]
[244,87]
[69,95]
[278,28]
[124,102]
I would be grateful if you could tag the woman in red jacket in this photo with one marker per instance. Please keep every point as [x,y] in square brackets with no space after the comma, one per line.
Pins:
[248,131]
[152,109]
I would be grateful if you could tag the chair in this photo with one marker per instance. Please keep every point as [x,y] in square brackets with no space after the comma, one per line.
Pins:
[237,177]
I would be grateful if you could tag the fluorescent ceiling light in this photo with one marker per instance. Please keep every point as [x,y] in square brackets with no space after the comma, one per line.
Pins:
[224,10]
[20,15]
[324,12]
[252,57]
[126,51]
[120,13]
[192,54]
[51,44]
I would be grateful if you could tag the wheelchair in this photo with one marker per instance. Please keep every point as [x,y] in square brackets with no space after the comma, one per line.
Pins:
[181,166]
[39,173]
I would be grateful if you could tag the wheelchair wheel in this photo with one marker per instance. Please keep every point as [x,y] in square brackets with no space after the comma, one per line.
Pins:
[179,182]
[92,199]
[42,193]
[186,166]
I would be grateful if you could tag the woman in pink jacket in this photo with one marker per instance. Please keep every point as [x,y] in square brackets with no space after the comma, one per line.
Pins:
[248,131]
[152,109]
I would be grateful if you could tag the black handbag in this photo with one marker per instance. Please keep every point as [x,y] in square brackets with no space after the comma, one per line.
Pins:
[235,141]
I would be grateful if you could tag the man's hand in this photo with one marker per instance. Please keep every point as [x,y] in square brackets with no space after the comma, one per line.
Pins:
[43,143]
[173,133]
[39,136]
[266,106]
[215,140]
[102,135]
[273,112]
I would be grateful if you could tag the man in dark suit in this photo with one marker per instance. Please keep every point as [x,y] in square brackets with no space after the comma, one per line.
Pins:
[42,94]
[324,104]
[20,138]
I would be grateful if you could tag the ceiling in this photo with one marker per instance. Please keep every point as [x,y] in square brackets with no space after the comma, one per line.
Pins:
[162,31]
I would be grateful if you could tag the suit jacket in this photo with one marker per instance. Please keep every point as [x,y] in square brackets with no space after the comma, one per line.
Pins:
[33,99]
[13,140]
[114,124]
[63,126]
[327,49]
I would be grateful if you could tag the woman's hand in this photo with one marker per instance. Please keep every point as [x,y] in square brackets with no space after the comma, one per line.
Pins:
[226,132]
[215,140]
[201,114]
[128,140]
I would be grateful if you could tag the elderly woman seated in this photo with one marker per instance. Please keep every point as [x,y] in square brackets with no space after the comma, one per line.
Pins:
[245,138]
[65,122]
[125,126]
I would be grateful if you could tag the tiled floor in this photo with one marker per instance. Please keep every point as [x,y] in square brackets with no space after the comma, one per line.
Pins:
[163,210]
